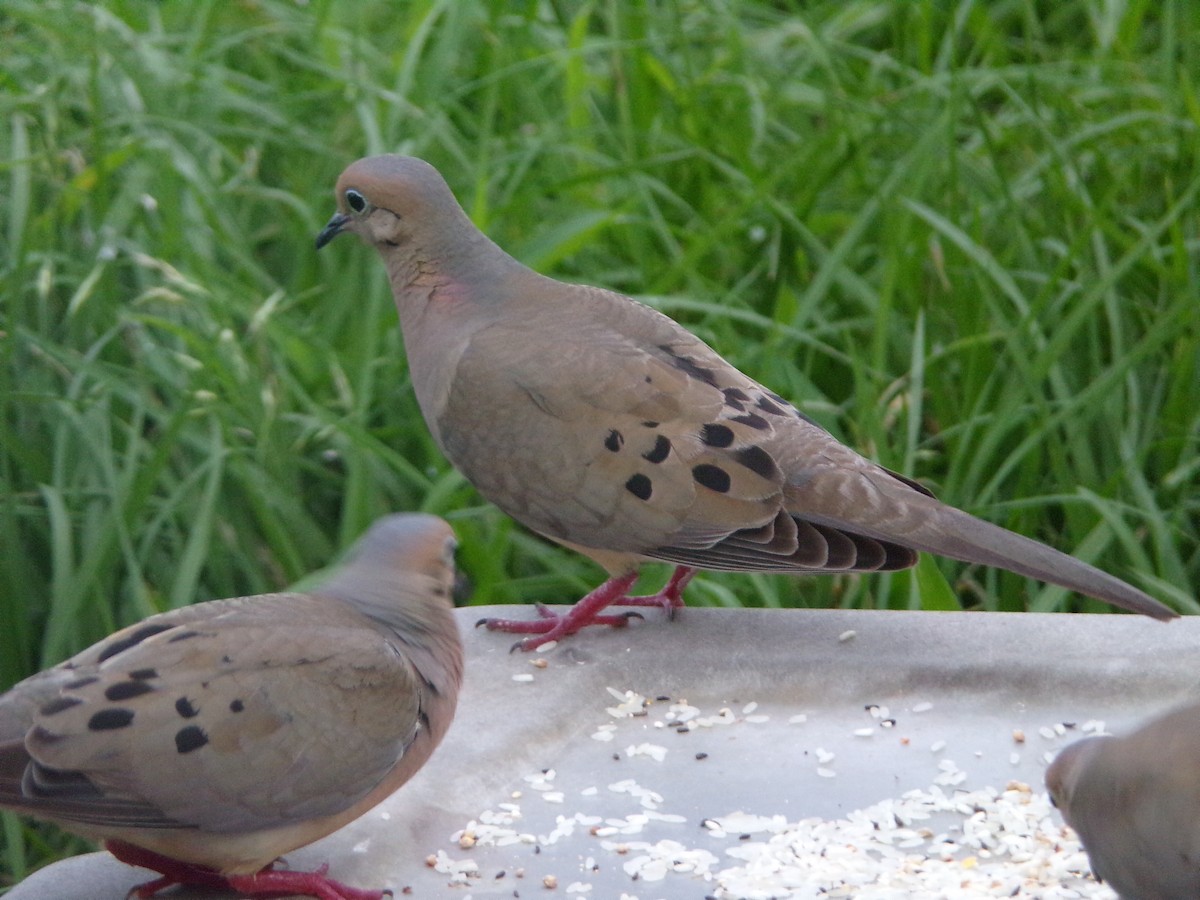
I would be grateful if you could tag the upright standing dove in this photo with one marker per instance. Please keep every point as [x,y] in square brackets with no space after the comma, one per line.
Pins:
[1135,802]
[206,741]
[603,425]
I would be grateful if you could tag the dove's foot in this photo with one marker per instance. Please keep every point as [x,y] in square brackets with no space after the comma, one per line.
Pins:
[670,598]
[551,626]
[267,882]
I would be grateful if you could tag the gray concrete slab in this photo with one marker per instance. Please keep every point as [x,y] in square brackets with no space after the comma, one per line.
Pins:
[984,674]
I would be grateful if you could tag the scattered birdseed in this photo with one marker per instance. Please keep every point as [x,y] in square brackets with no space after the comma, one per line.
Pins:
[923,706]
[1018,735]
[458,870]
[550,881]
[943,841]
[525,676]
[539,663]
[1047,732]
[847,636]
[654,751]
[654,861]
[749,708]
[950,775]
[937,746]
[682,712]
[546,647]
[798,719]
[631,704]
[647,798]
[1014,850]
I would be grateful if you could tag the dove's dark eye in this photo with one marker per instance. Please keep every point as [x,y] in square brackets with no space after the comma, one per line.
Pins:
[355,200]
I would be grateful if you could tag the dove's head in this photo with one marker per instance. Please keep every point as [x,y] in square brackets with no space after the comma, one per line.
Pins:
[401,573]
[390,201]
[1063,774]
[411,547]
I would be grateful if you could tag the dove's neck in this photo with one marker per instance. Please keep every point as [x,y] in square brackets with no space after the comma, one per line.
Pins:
[443,301]
[415,610]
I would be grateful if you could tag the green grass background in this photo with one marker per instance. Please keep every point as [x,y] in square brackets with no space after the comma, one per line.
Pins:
[963,236]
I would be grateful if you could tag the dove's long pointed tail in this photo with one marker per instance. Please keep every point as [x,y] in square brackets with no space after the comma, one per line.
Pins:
[958,535]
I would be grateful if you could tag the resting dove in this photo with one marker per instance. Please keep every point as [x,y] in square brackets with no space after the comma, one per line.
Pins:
[602,424]
[1135,802]
[206,741]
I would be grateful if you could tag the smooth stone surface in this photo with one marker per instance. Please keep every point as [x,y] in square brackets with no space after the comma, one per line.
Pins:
[986,674]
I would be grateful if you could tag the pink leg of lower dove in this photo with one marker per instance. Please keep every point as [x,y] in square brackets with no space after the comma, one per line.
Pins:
[268,882]
[590,610]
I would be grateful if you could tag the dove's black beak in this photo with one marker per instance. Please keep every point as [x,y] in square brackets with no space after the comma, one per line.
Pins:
[332,230]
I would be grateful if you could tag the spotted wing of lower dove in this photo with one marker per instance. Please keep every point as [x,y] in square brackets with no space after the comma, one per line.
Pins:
[1135,802]
[604,425]
[204,742]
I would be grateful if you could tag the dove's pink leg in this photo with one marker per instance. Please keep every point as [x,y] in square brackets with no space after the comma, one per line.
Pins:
[306,884]
[670,598]
[267,882]
[615,592]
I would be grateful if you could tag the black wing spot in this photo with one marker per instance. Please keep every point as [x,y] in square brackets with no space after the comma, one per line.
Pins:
[59,704]
[640,486]
[712,477]
[132,640]
[650,424]
[80,682]
[662,447]
[39,735]
[110,719]
[753,420]
[127,690]
[189,738]
[186,708]
[689,366]
[143,674]
[716,435]
[183,636]
[758,461]
[736,398]
[614,440]
[768,407]
[237,706]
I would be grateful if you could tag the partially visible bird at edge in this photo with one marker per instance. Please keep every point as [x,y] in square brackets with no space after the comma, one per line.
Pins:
[204,742]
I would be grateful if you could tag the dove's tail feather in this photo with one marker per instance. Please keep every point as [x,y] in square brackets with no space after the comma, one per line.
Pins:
[953,533]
